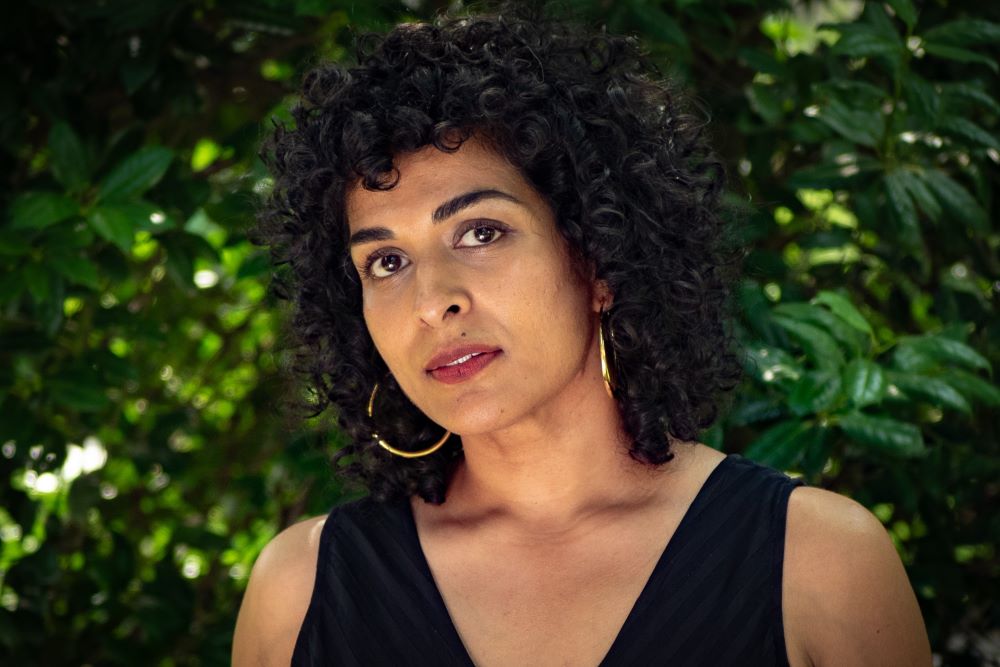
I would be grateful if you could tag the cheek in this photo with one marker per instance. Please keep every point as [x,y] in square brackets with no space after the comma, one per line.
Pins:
[378,320]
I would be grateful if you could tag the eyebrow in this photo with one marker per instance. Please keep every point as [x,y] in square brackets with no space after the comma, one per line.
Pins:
[440,214]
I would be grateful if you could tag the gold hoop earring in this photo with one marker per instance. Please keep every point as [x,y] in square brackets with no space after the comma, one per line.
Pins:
[609,381]
[400,452]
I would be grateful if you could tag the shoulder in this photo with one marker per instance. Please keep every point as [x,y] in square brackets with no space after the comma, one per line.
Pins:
[277,596]
[846,598]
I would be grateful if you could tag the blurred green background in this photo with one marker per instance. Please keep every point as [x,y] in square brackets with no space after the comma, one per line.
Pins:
[144,457]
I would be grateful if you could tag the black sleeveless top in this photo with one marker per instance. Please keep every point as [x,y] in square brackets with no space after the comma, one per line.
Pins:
[713,599]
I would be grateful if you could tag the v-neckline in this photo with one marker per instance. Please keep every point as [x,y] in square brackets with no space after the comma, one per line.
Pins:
[451,630]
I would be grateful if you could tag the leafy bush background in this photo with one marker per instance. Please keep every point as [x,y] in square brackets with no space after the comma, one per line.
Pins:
[143,457]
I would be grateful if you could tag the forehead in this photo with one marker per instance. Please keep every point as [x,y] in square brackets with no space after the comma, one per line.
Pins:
[429,176]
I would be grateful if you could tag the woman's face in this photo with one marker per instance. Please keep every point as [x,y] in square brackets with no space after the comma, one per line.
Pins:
[463,258]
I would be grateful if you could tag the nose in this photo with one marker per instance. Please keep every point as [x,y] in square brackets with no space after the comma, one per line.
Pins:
[440,294]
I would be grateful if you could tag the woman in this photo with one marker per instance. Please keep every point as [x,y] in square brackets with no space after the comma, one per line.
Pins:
[502,240]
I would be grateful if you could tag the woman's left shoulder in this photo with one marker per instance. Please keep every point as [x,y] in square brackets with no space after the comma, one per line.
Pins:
[846,599]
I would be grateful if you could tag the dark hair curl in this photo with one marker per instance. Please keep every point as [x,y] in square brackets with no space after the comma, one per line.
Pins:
[604,138]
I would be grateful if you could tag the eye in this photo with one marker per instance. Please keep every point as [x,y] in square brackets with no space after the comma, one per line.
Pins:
[385,265]
[481,235]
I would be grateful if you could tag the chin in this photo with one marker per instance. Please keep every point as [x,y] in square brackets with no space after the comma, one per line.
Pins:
[481,420]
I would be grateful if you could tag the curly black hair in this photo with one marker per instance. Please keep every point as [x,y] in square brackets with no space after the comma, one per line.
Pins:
[596,129]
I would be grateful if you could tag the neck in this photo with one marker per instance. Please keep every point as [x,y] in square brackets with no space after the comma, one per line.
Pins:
[567,461]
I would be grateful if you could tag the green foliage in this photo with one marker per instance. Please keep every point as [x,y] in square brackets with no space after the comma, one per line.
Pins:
[139,354]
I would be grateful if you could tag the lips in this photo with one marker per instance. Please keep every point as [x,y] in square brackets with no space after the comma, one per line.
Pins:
[458,353]
[460,363]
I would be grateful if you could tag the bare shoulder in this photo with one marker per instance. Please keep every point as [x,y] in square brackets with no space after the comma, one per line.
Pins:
[846,599]
[277,596]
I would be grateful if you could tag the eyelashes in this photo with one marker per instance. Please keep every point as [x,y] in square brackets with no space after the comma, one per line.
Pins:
[384,263]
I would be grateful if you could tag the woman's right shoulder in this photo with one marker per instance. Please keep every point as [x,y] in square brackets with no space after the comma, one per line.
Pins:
[278,595]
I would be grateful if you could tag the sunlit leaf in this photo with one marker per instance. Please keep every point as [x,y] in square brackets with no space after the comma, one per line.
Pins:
[844,309]
[864,382]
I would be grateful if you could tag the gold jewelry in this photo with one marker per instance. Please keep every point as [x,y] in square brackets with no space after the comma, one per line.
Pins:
[609,381]
[400,452]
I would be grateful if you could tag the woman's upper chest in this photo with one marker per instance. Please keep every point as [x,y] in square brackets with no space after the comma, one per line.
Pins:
[547,601]
[561,604]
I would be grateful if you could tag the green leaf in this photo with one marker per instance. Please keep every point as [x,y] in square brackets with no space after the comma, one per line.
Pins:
[76,269]
[864,382]
[780,446]
[921,97]
[11,287]
[932,389]
[78,394]
[136,173]
[946,351]
[859,40]
[816,451]
[972,386]
[906,12]
[38,210]
[972,92]
[966,129]
[113,225]
[659,25]
[762,61]
[902,205]
[69,159]
[766,101]
[182,250]
[753,411]
[825,176]
[960,55]
[844,309]
[768,364]
[955,199]
[39,281]
[254,265]
[815,392]
[861,127]
[137,71]
[966,32]
[883,434]
[908,358]
[144,216]
[13,244]
[842,332]
[817,344]
[920,193]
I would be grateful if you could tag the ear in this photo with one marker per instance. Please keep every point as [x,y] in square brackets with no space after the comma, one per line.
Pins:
[602,296]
